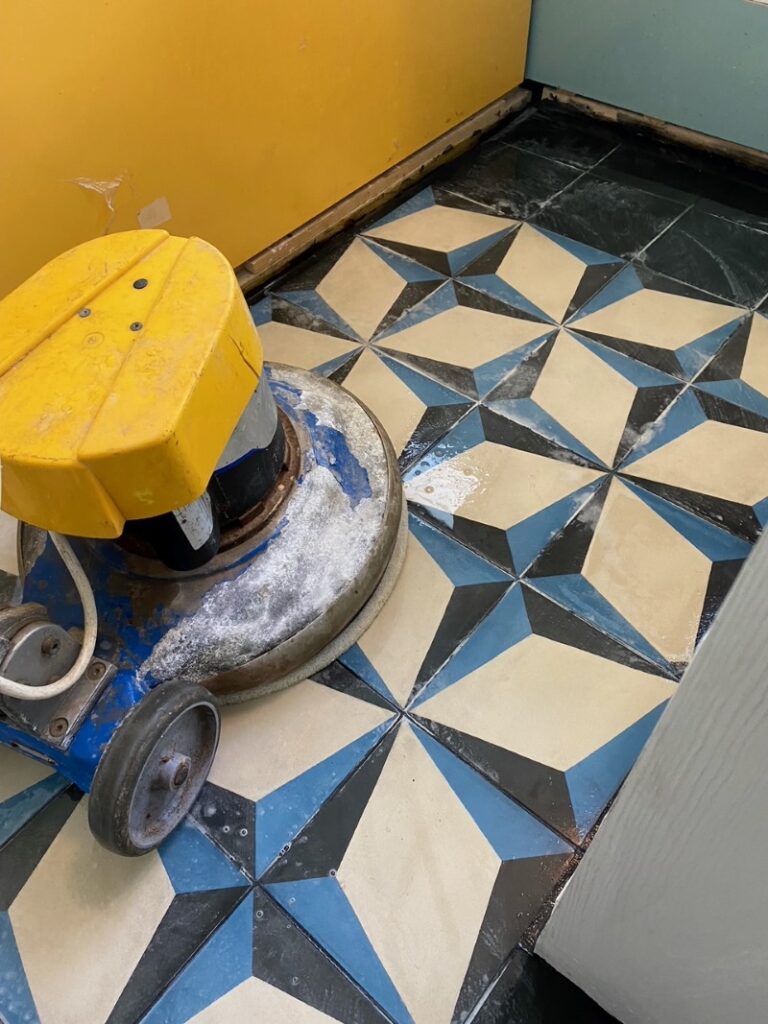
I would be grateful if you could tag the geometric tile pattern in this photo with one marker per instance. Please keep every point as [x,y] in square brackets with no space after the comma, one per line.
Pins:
[644,570]
[541,273]
[584,445]
[555,389]
[658,322]
[551,709]
[457,484]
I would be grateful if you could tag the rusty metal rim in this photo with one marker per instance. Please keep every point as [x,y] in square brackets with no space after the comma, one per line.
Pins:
[284,659]
[261,515]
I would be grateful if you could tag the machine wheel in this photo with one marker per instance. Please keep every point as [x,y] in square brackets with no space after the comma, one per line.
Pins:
[153,768]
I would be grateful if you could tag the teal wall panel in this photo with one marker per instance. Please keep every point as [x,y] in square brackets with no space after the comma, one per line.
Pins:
[702,64]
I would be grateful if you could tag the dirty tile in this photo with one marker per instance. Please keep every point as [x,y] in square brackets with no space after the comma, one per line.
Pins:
[292,335]
[414,409]
[738,374]
[467,483]
[473,867]
[359,289]
[136,899]
[542,274]
[583,445]
[508,180]
[548,707]
[529,991]
[466,339]
[438,231]
[554,390]
[709,457]
[443,592]
[716,184]
[25,787]
[258,965]
[641,569]
[665,324]
[578,142]
[608,214]
[727,259]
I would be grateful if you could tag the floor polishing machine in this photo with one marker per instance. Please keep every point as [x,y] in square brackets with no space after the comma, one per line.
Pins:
[195,527]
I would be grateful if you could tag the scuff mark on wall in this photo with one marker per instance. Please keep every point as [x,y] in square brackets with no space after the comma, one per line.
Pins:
[106,189]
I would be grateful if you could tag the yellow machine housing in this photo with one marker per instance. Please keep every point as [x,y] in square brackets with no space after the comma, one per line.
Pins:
[125,365]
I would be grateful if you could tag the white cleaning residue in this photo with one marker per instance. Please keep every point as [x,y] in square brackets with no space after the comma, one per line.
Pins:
[323,545]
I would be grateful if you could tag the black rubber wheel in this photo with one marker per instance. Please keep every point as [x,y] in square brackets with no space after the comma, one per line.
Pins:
[153,768]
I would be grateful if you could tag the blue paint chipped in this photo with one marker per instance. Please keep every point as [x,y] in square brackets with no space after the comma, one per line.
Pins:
[498,289]
[468,433]
[682,415]
[529,414]
[444,298]
[489,374]
[357,662]
[736,392]
[427,390]
[637,373]
[586,253]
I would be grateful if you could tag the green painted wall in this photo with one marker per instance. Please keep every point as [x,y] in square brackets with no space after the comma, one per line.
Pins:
[698,63]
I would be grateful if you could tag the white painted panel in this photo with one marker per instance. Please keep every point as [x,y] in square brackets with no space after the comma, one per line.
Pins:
[666,919]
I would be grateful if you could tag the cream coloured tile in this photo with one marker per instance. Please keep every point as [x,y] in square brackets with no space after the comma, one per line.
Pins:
[108,906]
[419,874]
[650,573]
[267,742]
[441,228]
[572,379]
[465,336]
[715,458]
[18,772]
[659,319]
[474,486]
[360,287]
[296,346]
[396,406]
[548,701]
[255,1001]
[542,271]
[402,633]
[755,369]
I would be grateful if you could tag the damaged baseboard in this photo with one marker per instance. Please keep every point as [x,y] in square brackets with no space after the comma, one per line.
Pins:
[674,133]
[369,197]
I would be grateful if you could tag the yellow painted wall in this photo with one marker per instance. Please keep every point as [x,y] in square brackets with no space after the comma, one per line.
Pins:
[248,117]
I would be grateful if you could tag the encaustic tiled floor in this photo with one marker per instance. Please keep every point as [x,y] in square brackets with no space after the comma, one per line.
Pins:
[559,334]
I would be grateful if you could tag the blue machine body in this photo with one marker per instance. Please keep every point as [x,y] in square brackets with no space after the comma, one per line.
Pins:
[130,625]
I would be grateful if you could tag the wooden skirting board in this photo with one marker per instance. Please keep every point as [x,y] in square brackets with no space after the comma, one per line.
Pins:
[365,200]
[673,132]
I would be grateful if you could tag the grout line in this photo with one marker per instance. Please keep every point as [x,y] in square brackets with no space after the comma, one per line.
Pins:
[573,848]
[641,252]
[686,284]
